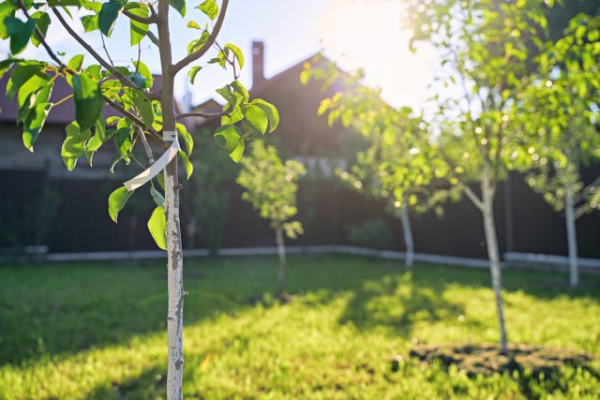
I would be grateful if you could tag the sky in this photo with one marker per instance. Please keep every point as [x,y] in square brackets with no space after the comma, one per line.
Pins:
[355,33]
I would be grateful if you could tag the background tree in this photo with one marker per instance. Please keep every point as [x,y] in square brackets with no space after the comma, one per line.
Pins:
[144,114]
[397,166]
[484,58]
[558,113]
[272,187]
[207,202]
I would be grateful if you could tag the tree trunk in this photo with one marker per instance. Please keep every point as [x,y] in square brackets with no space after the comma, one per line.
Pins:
[408,238]
[571,236]
[281,252]
[174,248]
[493,255]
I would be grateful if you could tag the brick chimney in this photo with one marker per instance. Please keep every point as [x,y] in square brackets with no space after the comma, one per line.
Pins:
[258,62]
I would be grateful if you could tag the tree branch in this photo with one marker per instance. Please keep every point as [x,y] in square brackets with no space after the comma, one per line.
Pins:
[146,145]
[473,197]
[150,20]
[122,78]
[206,46]
[40,37]
[152,37]
[201,114]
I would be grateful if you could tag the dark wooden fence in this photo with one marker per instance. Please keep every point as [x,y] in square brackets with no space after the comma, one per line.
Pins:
[525,223]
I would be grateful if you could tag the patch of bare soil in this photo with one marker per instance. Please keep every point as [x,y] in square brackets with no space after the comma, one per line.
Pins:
[476,359]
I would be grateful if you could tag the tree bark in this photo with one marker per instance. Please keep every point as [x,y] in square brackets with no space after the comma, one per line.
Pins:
[281,253]
[493,254]
[571,236]
[408,237]
[174,247]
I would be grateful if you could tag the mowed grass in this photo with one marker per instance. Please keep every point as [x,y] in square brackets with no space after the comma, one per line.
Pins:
[97,330]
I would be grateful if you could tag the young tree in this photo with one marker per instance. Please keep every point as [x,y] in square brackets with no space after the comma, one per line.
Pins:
[144,114]
[484,47]
[558,113]
[396,167]
[271,187]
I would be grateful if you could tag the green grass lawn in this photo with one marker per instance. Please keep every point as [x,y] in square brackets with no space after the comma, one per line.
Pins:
[96,331]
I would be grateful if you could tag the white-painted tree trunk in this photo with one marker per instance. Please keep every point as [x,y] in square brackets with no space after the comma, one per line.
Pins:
[408,237]
[281,252]
[175,285]
[571,236]
[174,247]
[491,239]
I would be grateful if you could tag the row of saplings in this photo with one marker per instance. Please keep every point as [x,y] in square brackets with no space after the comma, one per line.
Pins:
[522,95]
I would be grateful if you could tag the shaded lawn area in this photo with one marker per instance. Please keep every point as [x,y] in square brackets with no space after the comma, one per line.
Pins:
[96,330]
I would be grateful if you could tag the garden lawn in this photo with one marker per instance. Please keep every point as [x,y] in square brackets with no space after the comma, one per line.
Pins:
[97,330]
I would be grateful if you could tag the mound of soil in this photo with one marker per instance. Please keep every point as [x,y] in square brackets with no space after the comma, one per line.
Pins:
[476,359]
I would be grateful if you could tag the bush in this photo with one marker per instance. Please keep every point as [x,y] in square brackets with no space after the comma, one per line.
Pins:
[373,233]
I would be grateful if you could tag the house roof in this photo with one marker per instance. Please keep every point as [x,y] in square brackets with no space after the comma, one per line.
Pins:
[292,72]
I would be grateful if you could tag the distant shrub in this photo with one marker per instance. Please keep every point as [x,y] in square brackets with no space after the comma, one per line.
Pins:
[373,233]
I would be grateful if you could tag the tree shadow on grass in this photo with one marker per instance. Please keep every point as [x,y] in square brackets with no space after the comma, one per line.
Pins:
[398,301]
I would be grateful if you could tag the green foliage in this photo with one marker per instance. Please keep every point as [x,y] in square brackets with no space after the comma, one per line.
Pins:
[127,87]
[206,202]
[373,233]
[271,186]
[396,160]
[557,115]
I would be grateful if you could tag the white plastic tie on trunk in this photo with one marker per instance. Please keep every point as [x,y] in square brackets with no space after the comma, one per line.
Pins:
[159,165]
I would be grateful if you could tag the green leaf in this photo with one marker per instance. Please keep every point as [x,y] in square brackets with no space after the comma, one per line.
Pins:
[256,116]
[117,200]
[76,63]
[90,23]
[210,8]
[157,225]
[20,32]
[157,197]
[144,106]
[73,146]
[194,25]
[20,75]
[34,124]
[237,53]
[43,22]
[157,125]
[189,167]
[238,152]
[179,5]
[229,137]
[108,16]
[193,72]
[138,30]
[123,140]
[271,111]
[88,101]
[28,92]
[187,138]
[227,94]
[143,77]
